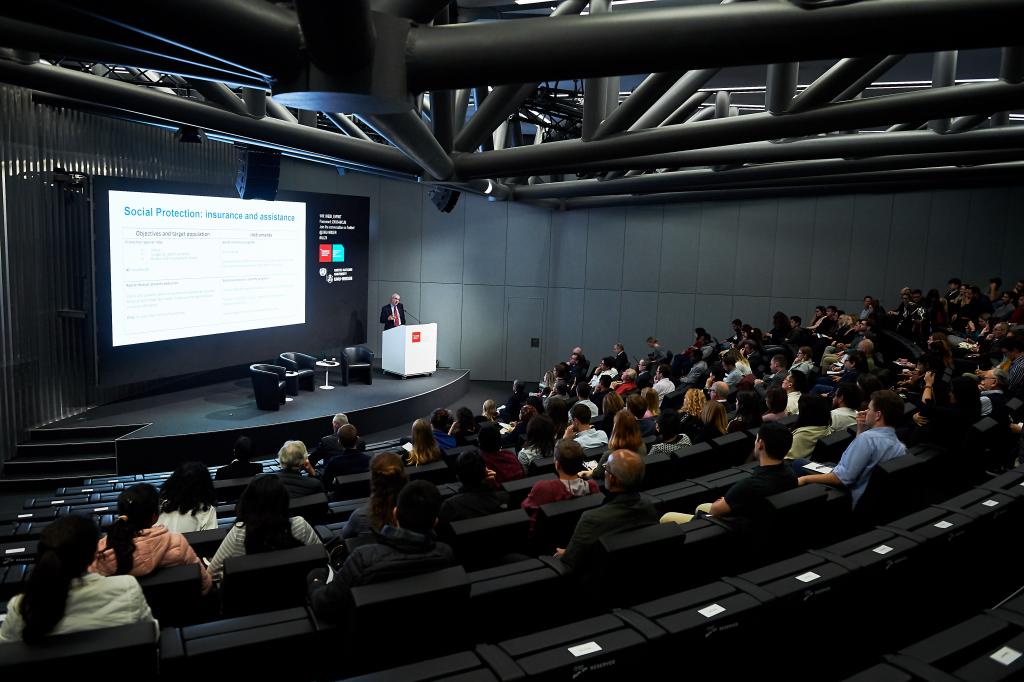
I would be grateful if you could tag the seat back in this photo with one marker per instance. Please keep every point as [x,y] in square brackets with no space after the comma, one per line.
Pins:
[556,521]
[70,656]
[174,594]
[658,548]
[830,448]
[435,472]
[313,507]
[894,490]
[375,609]
[733,448]
[265,582]
[482,541]
[514,598]
[697,460]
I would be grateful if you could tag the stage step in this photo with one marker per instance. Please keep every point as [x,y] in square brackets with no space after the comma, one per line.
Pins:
[87,465]
[69,449]
[81,434]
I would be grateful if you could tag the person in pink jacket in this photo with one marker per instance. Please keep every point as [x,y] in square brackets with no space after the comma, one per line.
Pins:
[134,546]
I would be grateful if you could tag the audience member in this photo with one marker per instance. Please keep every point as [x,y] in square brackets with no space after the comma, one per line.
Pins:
[297,473]
[813,423]
[638,408]
[620,359]
[568,465]
[625,436]
[875,444]
[240,466]
[61,597]
[559,413]
[698,371]
[795,384]
[845,404]
[424,448]
[187,500]
[605,368]
[672,441]
[440,424]
[652,401]
[387,478]
[583,398]
[612,403]
[540,440]
[489,411]
[663,384]
[749,411]
[745,501]
[623,510]
[402,550]
[262,525]
[628,383]
[779,366]
[581,430]
[693,408]
[947,424]
[604,388]
[515,402]
[715,421]
[134,546]
[504,463]
[349,459]
[479,496]
[777,402]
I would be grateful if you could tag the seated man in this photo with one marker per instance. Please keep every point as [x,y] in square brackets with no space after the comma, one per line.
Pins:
[479,495]
[779,367]
[441,423]
[568,465]
[580,430]
[875,444]
[349,459]
[623,510]
[845,404]
[583,398]
[404,549]
[745,501]
[328,445]
[628,383]
[663,383]
[240,466]
[604,368]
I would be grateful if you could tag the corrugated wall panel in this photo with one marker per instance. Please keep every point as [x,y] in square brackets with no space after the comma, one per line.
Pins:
[46,355]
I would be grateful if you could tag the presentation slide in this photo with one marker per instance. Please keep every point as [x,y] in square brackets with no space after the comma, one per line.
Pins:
[189,278]
[184,266]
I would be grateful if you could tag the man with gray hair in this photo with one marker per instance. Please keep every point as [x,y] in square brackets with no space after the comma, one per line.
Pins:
[328,446]
[623,510]
[294,461]
[719,391]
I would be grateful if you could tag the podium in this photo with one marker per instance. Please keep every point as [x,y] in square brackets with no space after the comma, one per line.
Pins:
[410,350]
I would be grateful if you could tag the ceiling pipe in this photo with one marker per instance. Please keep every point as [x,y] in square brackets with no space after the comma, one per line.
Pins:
[221,95]
[644,42]
[409,133]
[833,82]
[280,112]
[505,100]
[347,126]
[859,85]
[131,98]
[943,76]
[595,90]
[781,87]
[873,111]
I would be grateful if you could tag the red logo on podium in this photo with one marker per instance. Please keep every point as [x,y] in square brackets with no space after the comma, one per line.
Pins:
[416,337]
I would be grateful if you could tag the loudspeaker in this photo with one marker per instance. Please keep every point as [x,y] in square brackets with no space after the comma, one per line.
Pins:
[444,198]
[259,171]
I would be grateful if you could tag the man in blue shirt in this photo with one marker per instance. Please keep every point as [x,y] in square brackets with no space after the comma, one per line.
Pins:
[875,443]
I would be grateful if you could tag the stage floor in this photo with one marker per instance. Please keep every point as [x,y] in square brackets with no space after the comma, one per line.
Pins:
[209,418]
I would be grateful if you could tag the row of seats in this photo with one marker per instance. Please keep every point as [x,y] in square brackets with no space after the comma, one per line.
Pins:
[838,606]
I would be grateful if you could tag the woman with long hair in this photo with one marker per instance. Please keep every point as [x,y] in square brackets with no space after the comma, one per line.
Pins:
[693,406]
[559,413]
[625,436]
[135,546]
[540,441]
[187,500]
[262,524]
[490,411]
[463,426]
[424,445]
[652,401]
[714,420]
[387,478]
[61,597]
[612,403]
[749,408]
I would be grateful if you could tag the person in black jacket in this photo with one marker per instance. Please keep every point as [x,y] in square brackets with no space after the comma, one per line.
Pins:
[402,550]
[294,461]
[479,496]
[240,466]
[349,460]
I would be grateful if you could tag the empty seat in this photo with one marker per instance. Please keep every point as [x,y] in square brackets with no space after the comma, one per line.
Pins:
[301,371]
[514,598]
[882,672]
[557,520]
[351,486]
[465,666]
[355,361]
[313,508]
[984,647]
[435,472]
[482,541]
[206,542]
[273,580]
[683,496]
[175,594]
[230,489]
[710,623]
[268,385]
[542,465]
[895,488]
[657,548]
[733,448]
[243,645]
[85,654]
[661,469]
[830,448]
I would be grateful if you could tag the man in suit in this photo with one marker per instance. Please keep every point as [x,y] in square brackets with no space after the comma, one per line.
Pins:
[393,314]
[621,359]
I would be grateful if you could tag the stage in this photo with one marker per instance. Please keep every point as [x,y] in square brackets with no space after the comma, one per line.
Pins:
[204,422]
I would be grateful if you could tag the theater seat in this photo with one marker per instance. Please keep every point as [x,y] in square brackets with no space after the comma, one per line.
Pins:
[268,385]
[513,598]
[258,583]
[356,360]
[465,666]
[175,595]
[657,548]
[85,654]
[483,541]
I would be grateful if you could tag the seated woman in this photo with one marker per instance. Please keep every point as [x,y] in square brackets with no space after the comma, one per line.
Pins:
[652,401]
[489,412]
[668,430]
[693,406]
[625,436]
[503,463]
[463,426]
[540,441]
[947,422]
[387,478]
[263,525]
[749,408]
[611,404]
[187,500]
[776,400]
[713,417]
[297,474]
[134,546]
[60,597]
[813,423]
[424,446]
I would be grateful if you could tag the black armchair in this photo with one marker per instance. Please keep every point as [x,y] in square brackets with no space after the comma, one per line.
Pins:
[305,366]
[268,385]
[356,359]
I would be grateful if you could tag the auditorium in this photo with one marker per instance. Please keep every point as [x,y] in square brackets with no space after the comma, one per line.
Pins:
[512,340]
